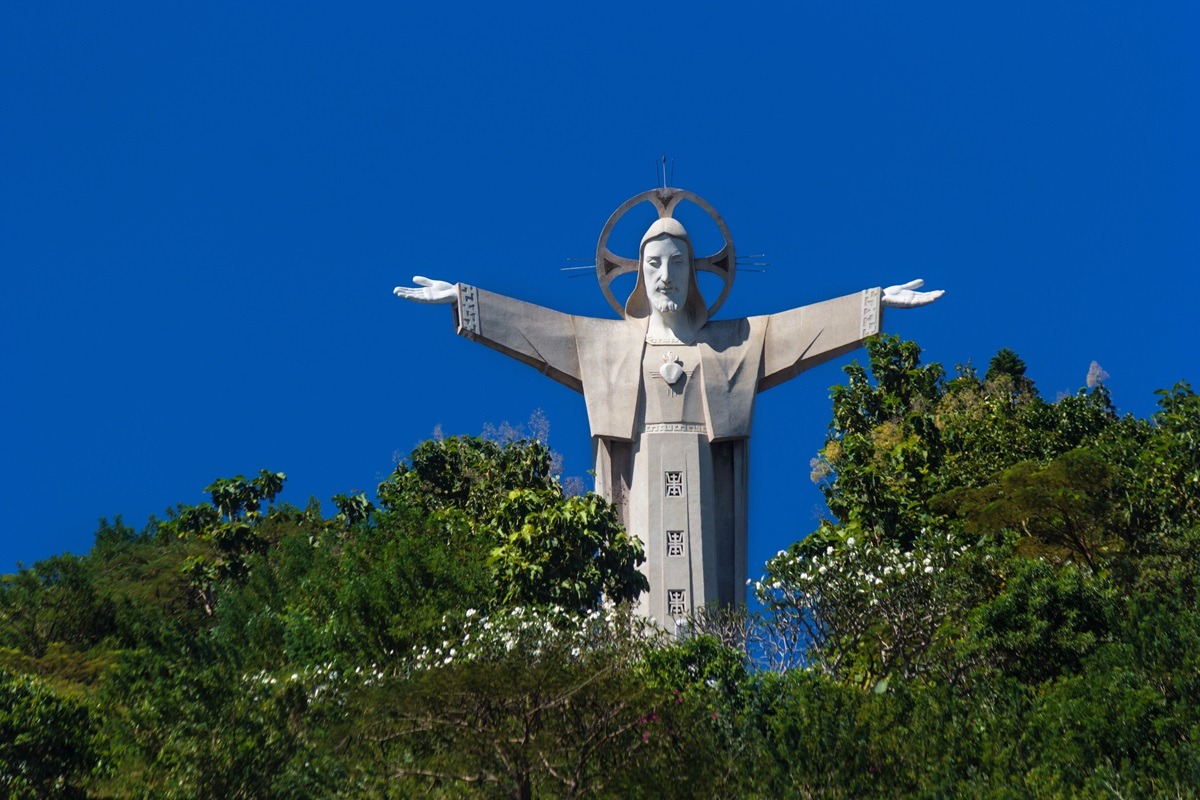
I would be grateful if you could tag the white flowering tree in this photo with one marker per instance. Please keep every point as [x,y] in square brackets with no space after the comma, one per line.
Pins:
[867,611]
[522,703]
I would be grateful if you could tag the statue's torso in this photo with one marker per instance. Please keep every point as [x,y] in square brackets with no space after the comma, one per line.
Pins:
[667,403]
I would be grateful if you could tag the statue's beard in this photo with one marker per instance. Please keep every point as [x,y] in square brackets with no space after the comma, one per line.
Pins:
[663,304]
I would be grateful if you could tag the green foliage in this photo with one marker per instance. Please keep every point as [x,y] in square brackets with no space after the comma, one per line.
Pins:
[866,613]
[566,723]
[987,426]
[229,528]
[378,590]
[236,497]
[1051,650]
[54,601]
[715,709]
[1003,604]
[1006,364]
[1064,510]
[466,474]
[1043,622]
[543,548]
[194,724]
[47,741]
[883,443]
[1165,484]
[353,509]
[570,552]
[815,736]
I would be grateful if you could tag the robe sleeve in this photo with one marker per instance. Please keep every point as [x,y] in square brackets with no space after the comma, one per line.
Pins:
[537,336]
[805,337]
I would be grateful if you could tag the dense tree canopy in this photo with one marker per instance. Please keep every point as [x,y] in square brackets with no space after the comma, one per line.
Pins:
[1002,603]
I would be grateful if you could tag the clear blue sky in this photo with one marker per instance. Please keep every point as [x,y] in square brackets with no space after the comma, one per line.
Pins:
[204,208]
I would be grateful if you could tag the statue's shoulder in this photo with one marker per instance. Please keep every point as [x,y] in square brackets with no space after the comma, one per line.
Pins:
[725,332]
[609,329]
[716,326]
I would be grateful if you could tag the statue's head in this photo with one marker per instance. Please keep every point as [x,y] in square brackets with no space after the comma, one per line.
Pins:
[666,278]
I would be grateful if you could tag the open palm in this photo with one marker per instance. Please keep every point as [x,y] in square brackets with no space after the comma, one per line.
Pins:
[427,291]
[904,296]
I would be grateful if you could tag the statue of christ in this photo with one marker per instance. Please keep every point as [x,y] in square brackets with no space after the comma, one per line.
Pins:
[670,396]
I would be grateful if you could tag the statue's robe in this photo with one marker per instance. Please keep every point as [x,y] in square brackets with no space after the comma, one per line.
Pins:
[673,458]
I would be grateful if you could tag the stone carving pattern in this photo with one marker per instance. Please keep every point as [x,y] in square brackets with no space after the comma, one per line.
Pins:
[468,308]
[870,312]
[674,484]
[674,543]
[675,427]
[676,602]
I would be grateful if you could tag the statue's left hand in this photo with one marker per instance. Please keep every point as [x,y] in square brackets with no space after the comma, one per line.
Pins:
[903,296]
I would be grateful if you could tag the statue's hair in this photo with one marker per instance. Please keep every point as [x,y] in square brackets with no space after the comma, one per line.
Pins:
[638,304]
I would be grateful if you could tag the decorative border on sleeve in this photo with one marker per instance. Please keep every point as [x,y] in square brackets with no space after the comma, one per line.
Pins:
[675,427]
[870,312]
[468,308]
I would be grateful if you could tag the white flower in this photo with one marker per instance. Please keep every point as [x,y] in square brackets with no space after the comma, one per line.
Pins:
[850,542]
[928,569]
[471,612]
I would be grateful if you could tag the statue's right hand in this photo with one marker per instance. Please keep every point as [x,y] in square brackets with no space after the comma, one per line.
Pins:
[428,291]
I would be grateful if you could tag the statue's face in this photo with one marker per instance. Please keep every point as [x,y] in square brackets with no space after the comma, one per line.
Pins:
[666,272]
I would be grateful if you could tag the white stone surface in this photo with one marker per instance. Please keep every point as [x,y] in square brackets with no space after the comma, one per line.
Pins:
[670,399]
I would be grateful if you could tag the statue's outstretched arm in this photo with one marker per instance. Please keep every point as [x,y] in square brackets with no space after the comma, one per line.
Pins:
[540,337]
[427,291]
[804,337]
[904,296]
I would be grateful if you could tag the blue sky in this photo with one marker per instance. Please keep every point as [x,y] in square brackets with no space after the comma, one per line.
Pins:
[204,209]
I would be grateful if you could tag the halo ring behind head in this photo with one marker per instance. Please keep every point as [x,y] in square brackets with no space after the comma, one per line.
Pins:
[609,265]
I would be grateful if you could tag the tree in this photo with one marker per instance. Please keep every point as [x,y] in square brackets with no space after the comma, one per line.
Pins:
[1006,363]
[229,527]
[1043,622]
[188,720]
[867,613]
[989,425]
[52,601]
[1164,484]
[883,443]
[570,552]
[520,705]
[468,475]
[543,547]
[1062,510]
[47,741]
